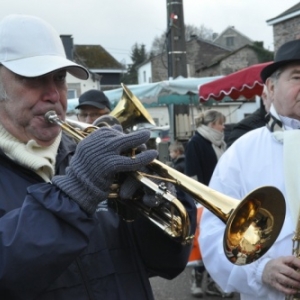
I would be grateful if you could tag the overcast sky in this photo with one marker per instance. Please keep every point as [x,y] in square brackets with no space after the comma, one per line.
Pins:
[118,24]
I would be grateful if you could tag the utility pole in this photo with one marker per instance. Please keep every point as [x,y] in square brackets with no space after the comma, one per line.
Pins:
[176,39]
[176,51]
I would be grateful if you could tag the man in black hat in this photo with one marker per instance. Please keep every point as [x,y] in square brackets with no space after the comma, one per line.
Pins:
[267,156]
[92,105]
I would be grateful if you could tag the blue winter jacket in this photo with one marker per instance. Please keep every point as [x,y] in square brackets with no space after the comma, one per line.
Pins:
[51,249]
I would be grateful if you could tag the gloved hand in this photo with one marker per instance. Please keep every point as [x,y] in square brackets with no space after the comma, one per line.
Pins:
[97,160]
[131,185]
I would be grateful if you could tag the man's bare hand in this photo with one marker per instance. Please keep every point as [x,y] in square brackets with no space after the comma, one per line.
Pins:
[281,273]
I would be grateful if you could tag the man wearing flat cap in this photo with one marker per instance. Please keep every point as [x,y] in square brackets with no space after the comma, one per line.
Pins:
[267,156]
[92,105]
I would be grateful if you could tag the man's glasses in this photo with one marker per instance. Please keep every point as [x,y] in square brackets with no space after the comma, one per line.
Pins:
[91,115]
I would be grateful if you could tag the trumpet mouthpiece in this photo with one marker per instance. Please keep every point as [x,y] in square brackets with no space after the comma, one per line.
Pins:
[50,116]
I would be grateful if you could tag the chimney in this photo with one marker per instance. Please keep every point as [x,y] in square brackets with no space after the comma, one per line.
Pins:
[67,41]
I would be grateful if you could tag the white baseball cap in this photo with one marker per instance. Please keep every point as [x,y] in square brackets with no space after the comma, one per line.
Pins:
[31,47]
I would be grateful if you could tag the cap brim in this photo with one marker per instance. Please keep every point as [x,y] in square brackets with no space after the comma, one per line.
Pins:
[41,65]
[91,103]
[270,69]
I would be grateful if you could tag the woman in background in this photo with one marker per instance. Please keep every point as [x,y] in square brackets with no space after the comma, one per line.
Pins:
[206,146]
[202,153]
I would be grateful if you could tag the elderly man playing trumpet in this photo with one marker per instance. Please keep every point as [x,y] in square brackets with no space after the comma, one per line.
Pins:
[60,238]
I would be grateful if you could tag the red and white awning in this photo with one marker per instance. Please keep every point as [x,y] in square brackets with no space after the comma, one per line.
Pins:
[245,82]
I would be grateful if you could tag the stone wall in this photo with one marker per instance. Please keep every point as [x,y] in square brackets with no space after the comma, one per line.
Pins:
[241,59]
[202,53]
[286,31]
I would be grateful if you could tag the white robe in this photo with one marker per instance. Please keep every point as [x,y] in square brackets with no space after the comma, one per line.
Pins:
[255,160]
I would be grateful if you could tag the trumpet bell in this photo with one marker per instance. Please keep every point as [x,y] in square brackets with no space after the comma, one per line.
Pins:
[251,228]
[251,225]
[129,111]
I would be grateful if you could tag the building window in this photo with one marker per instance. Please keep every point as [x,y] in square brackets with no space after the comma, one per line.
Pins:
[144,75]
[230,41]
[72,94]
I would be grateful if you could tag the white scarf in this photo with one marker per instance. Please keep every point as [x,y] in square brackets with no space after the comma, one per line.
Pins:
[291,144]
[31,155]
[216,137]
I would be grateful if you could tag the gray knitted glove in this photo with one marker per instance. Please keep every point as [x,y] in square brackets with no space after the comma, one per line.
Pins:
[97,160]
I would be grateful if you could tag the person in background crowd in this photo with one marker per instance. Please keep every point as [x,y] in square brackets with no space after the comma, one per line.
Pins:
[206,146]
[60,237]
[92,105]
[267,156]
[176,151]
[255,120]
[201,156]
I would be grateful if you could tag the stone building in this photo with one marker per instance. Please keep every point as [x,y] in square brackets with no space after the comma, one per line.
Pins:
[232,39]
[286,26]
[235,60]
[199,53]
[205,58]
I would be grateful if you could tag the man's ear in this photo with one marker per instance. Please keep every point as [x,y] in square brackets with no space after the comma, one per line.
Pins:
[270,88]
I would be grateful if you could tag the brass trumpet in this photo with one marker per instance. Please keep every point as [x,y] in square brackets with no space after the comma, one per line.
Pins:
[168,214]
[252,225]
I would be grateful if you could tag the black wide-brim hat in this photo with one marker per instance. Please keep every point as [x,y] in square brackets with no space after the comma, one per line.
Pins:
[287,53]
